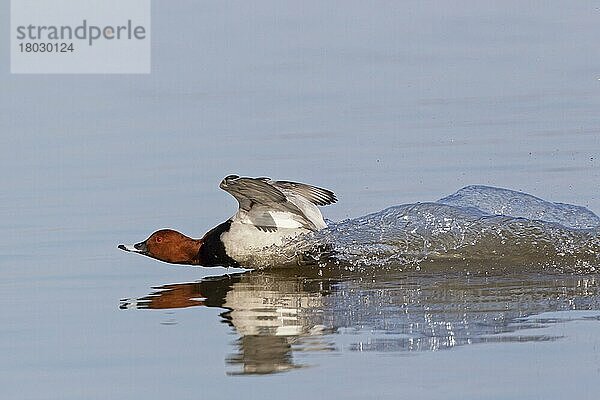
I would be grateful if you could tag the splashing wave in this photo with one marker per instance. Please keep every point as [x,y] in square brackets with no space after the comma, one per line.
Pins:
[475,224]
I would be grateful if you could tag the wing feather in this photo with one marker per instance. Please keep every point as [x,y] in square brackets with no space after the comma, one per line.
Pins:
[316,195]
[249,191]
[260,197]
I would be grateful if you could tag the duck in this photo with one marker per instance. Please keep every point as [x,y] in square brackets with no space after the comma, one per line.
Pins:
[270,214]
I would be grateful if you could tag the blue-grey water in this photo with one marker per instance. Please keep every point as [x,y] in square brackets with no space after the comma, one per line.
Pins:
[386,103]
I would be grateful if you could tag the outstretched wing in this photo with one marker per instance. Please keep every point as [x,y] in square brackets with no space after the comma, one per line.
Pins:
[316,195]
[258,200]
[269,204]
[250,191]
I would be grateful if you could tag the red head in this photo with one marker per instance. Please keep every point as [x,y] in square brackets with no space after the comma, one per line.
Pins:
[169,246]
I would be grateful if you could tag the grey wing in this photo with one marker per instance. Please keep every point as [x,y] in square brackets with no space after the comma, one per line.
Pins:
[258,198]
[250,191]
[316,195]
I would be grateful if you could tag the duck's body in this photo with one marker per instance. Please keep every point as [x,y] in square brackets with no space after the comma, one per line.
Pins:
[270,214]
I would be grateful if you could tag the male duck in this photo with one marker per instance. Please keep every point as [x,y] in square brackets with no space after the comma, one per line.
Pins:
[269,214]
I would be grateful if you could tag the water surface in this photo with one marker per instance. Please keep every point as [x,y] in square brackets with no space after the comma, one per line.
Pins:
[283,317]
[387,104]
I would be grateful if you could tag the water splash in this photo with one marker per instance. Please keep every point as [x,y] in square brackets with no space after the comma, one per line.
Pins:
[497,201]
[475,224]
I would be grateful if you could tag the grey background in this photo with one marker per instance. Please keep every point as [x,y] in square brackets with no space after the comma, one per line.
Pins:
[385,103]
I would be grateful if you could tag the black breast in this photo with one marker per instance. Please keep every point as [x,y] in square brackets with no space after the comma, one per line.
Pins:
[212,252]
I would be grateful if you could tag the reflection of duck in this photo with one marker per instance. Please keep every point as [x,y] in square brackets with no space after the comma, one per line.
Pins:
[280,313]
[271,316]
[269,214]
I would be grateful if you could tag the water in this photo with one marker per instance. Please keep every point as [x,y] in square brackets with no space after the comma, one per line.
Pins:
[466,228]
[387,105]
[285,319]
